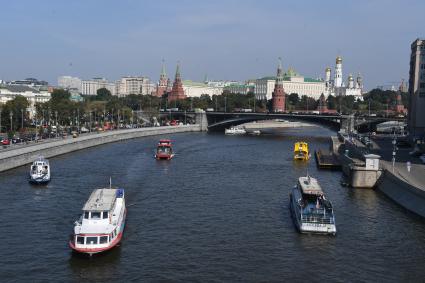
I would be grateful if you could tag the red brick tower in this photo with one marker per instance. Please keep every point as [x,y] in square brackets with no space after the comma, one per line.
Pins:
[278,96]
[162,85]
[177,91]
[322,107]
[399,107]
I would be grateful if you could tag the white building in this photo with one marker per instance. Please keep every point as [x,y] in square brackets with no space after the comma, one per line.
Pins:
[196,89]
[69,82]
[292,83]
[9,92]
[338,87]
[134,85]
[90,87]
[240,88]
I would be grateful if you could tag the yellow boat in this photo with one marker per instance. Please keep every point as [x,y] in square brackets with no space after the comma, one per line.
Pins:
[301,151]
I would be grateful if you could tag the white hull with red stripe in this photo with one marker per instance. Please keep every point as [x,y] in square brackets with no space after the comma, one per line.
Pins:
[101,226]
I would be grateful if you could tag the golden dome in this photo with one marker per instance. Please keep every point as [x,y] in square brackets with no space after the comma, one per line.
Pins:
[328,69]
[339,60]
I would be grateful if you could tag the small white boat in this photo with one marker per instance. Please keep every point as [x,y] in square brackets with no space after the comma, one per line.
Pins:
[235,131]
[255,132]
[101,225]
[311,211]
[40,171]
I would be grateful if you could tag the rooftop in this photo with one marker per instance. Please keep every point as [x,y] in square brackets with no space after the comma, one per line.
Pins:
[310,186]
[101,200]
[19,88]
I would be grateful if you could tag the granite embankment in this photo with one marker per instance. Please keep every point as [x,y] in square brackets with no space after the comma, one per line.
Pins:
[21,155]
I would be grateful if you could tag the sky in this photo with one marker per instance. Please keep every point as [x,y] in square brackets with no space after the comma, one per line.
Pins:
[223,39]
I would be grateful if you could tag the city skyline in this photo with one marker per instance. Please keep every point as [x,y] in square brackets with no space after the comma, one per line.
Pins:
[225,40]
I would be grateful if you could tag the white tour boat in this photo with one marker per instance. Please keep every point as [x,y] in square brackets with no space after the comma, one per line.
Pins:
[311,211]
[235,131]
[101,226]
[40,171]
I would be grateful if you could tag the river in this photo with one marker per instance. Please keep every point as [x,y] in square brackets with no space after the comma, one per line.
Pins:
[219,211]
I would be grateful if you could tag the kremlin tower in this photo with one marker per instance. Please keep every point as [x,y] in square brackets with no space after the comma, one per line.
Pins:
[162,85]
[322,107]
[177,91]
[278,96]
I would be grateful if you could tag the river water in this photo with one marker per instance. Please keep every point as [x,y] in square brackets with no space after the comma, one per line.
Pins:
[219,211]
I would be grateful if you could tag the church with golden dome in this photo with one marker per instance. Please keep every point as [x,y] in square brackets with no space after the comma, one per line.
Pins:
[337,86]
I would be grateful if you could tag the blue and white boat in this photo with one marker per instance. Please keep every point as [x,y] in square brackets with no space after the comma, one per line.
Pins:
[311,211]
[40,171]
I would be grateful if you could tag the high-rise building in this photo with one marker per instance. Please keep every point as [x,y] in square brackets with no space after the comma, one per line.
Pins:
[278,96]
[69,82]
[416,114]
[133,85]
[177,91]
[90,87]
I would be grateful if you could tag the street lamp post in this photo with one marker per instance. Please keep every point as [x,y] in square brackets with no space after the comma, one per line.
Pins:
[394,142]
[11,121]
[0,120]
[56,119]
[78,120]
[225,104]
[22,118]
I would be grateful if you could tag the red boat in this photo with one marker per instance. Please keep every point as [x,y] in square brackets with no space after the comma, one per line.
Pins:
[164,150]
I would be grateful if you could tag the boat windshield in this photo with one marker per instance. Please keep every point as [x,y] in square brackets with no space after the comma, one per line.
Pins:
[164,149]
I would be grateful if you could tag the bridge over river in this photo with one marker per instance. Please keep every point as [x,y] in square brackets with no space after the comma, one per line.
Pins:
[218,121]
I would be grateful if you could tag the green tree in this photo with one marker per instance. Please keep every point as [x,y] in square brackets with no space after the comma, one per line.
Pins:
[15,111]
[103,94]
[293,99]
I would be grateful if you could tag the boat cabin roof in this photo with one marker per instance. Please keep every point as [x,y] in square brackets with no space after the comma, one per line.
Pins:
[101,200]
[41,161]
[310,186]
[164,142]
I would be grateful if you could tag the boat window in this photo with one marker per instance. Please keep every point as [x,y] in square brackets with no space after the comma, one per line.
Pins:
[95,215]
[105,214]
[103,239]
[80,240]
[86,215]
[91,241]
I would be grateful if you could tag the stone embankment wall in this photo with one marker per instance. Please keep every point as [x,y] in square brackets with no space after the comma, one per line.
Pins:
[23,155]
[402,192]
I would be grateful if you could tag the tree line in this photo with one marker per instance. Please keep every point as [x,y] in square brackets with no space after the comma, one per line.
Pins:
[104,107]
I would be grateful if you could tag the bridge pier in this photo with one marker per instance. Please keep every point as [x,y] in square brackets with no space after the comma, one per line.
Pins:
[201,119]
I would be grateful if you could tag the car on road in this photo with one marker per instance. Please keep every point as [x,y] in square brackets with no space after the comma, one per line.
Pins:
[5,142]
[422,158]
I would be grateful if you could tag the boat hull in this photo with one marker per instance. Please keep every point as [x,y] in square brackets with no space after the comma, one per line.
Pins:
[164,156]
[302,157]
[39,181]
[92,251]
[308,227]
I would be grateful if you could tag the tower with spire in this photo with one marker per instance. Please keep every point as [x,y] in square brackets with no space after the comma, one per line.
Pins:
[177,91]
[162,84]
[278,95]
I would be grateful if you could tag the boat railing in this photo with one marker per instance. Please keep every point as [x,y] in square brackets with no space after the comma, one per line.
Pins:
[318,217]
[79,222]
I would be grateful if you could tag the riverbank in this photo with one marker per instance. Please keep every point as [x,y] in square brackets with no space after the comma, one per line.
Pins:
[23,155]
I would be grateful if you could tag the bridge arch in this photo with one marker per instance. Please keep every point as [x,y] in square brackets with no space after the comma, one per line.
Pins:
[220,121]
